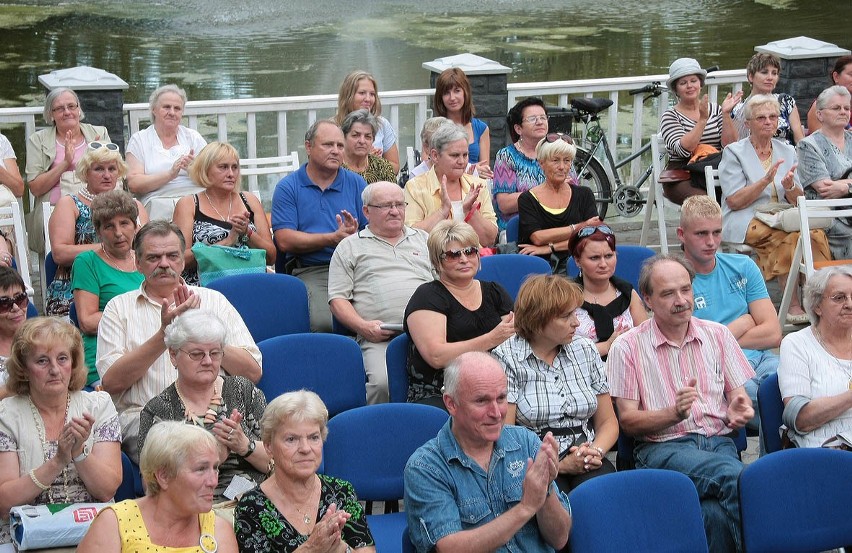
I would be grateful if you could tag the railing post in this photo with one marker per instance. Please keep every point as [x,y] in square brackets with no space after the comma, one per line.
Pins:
[805,67]
[488,81]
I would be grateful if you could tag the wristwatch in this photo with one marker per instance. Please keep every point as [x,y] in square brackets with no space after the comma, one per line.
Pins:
[83,454]
[251,447]
[553,250]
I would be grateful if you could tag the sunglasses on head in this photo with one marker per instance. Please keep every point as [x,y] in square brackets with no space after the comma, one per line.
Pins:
[556,136]
[588,231]
[20,299]
[108,145]
[469,251]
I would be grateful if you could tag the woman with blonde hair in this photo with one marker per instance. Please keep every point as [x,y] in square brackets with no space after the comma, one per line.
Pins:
[359,90]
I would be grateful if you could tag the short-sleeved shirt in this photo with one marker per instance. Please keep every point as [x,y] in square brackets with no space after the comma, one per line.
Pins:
[423,194]
[784,130]
[533,216]
[462,324]
[385,135]
[6,151]
[147,147]
[644,366]
[724,294]
[555,397]
[299,204]
[513,172]
[448,492]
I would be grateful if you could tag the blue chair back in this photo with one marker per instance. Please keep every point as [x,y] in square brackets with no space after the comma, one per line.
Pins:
[270,304]
[31,310]
[624,511]
[511,270]
[512,226]
[771,408]
[72,315]
[796,500]
[396,359]
[630,260]
[50,268]
[328,364]
[131,480]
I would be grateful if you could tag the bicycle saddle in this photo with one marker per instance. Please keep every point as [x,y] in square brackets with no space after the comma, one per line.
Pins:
[591,105]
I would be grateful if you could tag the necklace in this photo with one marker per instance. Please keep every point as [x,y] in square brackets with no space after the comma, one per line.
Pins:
[305,514]
[85,194]
[114,262]
[211,415]
[42,435]
[219,213]
[836,361]
[602,294]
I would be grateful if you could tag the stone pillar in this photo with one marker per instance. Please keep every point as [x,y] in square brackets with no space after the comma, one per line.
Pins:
[806,65]
[101,96]
[488,81]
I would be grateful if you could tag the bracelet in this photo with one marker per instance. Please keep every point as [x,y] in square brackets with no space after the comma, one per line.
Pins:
[249,232]
[470,213]
[573,228]
[41,486]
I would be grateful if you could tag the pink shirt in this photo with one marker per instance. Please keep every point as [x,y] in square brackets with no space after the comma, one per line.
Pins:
[644,366]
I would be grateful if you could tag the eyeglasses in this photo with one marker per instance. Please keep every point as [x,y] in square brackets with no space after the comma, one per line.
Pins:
[765,118]
[198,355]
[455,255]
[20,299]
[66,107]
[588,231]
[839,299]
[108,145]
[536,119]
[556,136]
[384,208]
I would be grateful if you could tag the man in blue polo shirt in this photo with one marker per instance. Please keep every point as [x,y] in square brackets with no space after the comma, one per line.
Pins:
[729,289]
[314,209]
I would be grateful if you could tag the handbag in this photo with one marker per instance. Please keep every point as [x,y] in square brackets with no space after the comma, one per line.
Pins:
[783,217]
[55,525]
[218,261]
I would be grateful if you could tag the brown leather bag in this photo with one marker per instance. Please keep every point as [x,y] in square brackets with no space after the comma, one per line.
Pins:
[672,176]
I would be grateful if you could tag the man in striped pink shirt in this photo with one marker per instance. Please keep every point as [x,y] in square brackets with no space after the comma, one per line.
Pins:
[678,383]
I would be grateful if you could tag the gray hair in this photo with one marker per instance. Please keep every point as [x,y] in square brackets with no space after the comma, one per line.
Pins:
[359,116]
[157,227]
[453,371]
[299,406]
[311,133]
[168,447]
[447,134]
[370,189]
[830,92]
[430,126]
[195,325]
[51,97]
[155,96]
[760,100]
[814,289]
[647,271]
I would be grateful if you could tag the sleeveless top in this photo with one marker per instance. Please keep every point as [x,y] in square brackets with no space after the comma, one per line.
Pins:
[59,294]
[134,534]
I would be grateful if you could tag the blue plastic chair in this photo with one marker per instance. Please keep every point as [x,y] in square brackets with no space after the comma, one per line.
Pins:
[328,364]
[396,359]
[270,304]
[369,448]
[131,480]
[511,270]
[796,500]
[50,268]
[639,510]
[31,310]
[771,408]
[630,260]
[512,226]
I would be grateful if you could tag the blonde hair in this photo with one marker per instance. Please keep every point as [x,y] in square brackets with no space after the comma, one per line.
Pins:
[445,232]
[44,332]
[298,406]
[168,446]
[699,207]
[209,156]
[347,91]
[545,151]
[101,155]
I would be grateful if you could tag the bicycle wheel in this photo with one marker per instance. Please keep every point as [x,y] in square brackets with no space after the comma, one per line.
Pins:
[590,173]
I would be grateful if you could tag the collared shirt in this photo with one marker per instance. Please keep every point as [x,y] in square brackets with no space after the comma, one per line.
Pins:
[644,366]
[130,319]
[423,194]
[561,396]
[447,492]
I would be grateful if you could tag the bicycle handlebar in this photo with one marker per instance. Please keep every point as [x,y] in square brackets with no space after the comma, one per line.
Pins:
[654,88]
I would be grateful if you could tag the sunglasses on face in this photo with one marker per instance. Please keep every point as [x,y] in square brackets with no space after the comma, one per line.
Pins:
[588,231]
[556,136]
[455,255]
[20,299]
[108,145]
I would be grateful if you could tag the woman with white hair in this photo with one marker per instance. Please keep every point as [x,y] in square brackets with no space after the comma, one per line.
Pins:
[159,156]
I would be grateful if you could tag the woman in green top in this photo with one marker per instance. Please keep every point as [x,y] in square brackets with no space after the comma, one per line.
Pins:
[101,274]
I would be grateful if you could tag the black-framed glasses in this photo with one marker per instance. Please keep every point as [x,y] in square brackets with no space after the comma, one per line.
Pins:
[455,255]
[108,145]
[66,107]
[552,137]
[20,299]
[590,230]
[384,208]
[198,355]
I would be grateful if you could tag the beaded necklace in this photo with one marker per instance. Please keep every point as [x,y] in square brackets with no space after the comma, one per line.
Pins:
[40,428]
[212,414]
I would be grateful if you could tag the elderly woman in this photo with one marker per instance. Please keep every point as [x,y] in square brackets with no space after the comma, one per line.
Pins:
[11,183]
[557,381]
[762,72]
[53,153]
[610,305]
[516,168]
[179,469]
[99,275]
[841,74]
[693,120]
[446,191]
[57,443]
[359,128]
[159,156]
[359,90]
[454,100]
[454,314]
[13,313]
[229,407]
[553,210]
[815,373]
[70,227]
[756,171]
[825,162]
[296,509]
[213,216]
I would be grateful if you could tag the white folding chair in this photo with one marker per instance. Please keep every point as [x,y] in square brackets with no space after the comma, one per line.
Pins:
[13,216]
[803,258]
[656,199]
[711,175]
[47,209]
[411,158]
[278,165]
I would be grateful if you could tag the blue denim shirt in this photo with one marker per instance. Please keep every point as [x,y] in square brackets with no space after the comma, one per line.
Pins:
[447,492]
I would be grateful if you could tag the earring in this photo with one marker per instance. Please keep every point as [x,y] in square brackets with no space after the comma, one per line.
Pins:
[270,467]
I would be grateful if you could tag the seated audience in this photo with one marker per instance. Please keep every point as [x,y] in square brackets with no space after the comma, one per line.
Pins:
[841,74]
[13,313]
[447,501]
[816,362]
[610,306]
[99,275]
[221,213]
[454,314]
[557,381]
[359,90]
[446,191]
[297,509]
[179,470]
[358,128]
[11,183]
[58,444]
[429,128]
[229,407]
[159,156]
[454,100]
[373,274]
